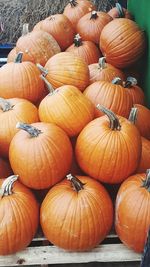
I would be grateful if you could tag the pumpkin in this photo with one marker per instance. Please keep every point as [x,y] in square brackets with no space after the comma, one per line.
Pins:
[64,107]
[10,111]
[12,55]
[145,158]
[135,91]
[132,216]
[76,9]
[45,149]
[122,42]
[60,27]
[103,71]
[19,216]
[87,50]
[109,148]
[110,95]
[91,25]
[119,12]
[22,80]
[5,169]
[66,69]
[37,46]
[76,214]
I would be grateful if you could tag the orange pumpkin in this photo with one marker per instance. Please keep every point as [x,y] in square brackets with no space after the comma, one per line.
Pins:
[10,111]
[145,158]
[122,42]
[76,214]
[45,149]
[109,148]
[135,91]
[5,168]
[132,216]
[19,216]
[119,12]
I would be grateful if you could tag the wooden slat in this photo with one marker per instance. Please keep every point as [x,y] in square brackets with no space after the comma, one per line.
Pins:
[53,255]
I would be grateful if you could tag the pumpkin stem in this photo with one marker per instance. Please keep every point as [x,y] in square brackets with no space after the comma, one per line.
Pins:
[146,182]
[18,58]
[5,105]
[145,261]
[102,63]
[76,183]
[120,10]
[73,3]
[48,85]
[6,188]
[25,29]
[131,81]
[133,115]
[42,69]
[114,122]
[34,132]
[117,80]
[77,40]
[94,15]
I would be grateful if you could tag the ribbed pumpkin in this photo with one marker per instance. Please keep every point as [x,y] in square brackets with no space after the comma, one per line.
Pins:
[110,95]
[136,93]
[122,42]
[60,27]
[91,25]
[22,80]
[145,158]
[12,110]
[87,50]
[66,107]
[109,148]
[76,9]
[132,216]
[119,12]
[41,153]
[103,71]
[5,169]
[19,216]
[66,69]
[37,46]
[76,215]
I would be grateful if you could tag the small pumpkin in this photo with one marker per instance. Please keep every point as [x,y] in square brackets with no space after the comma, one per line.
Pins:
[136,93]
[132,216]
[5,168]
[19,216]
[76,214]
[119,12]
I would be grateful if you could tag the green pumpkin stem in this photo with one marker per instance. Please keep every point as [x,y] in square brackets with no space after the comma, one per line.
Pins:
[31,130]
[133,115]
[114,121]
[77,40]
[25,29]
[5,105]
[146,182]
[94,15]
[117,81]
[131,81]
[76,183]
[18,58]
[6,188]
[102,63]
[73,3]
[42,69]
[48,85]
[120,10]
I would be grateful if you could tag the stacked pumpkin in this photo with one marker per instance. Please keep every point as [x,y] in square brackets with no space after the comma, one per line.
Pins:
[65,101]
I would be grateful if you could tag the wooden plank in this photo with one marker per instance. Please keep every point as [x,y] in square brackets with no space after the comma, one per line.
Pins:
[53,255]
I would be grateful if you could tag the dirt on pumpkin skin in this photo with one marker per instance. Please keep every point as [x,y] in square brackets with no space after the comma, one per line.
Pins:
[14,13]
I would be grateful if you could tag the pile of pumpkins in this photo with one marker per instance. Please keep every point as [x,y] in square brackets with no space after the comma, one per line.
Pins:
[73,119]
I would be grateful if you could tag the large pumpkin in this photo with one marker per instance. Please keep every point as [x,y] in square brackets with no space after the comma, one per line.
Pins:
[12,110]
[109,148]
[132,216]
[66,69]
[122,42]
[66,107]
[41,153]
[19,216]
[76,215]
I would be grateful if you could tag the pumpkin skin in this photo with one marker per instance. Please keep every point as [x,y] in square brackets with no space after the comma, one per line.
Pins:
[109,154]
[142,121]
[21,80]
[122,42]
[136,94]
[60,27]
[64,107]
[12,110]
[49,158]
[67,69]
[19,217]
[132,216]
[145,159]
[5,168]
[37,46]
[119,12]
[76,9]
[91,25]
[62,223]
